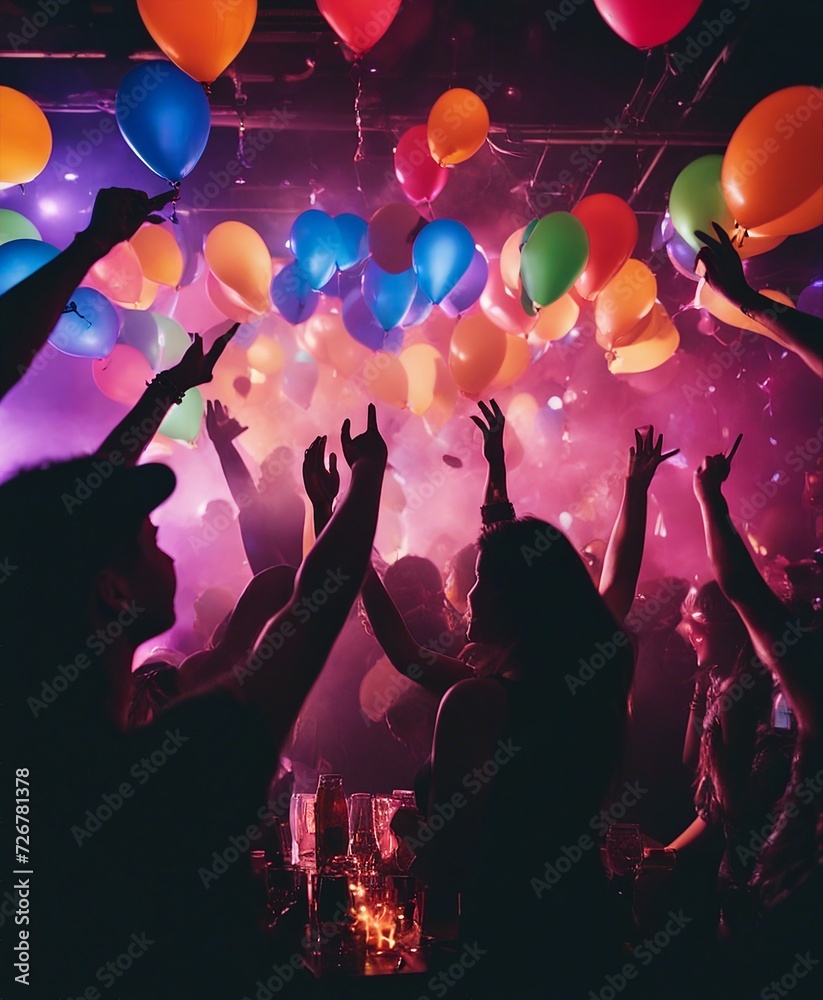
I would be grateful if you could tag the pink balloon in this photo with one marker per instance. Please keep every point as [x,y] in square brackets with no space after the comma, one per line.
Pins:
[118,275]
[647,23]
[123,375]
[228,302]
[194,310]
[420,176]
[502,306]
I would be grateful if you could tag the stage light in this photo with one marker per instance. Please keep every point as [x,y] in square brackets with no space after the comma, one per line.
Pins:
[71,177]
[49,207]
[555,403]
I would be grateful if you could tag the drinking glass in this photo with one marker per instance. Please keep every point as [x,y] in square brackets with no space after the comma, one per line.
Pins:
[363,843]
[384,807]
[624,848]
[301,823]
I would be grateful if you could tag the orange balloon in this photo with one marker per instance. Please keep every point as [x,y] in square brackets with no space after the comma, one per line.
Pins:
[476,352]
[521,413]
[145,299]
[359,23]
[420,363]
[457,127]
[510,260]
[202,37]
[386,379]
[515,362]
[556,319]
[502,306]
[159,254]
[25,138]
[773,164]
[118,275]
[655,345]
[749,245]
[392,230]
[707,298]
[625,300]
[239,259]
[444,400]
[228,302]
[266,356]
[611,226]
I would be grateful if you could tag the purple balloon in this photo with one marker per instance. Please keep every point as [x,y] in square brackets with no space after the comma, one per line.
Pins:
[361,324]
[682,256]
[292,295]
[419,310]
[811,300]
[470,287]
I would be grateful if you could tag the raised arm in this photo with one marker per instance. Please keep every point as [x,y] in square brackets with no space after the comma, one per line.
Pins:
[289,657]
[222,428]
[780,640]
[496,504]
[132,435]
[30,311]
[799,331]
[322,484]
[624,554]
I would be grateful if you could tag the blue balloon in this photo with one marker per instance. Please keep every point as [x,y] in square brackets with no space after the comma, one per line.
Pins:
[682,255]
[90,329]
[360,322]
[810,299]
[389,296]
[419,310]
[292,294]
[21,258]
[165,117]
[441,255]
[315,241]
[470,287]
[300,377]
[354,240]
[140,330]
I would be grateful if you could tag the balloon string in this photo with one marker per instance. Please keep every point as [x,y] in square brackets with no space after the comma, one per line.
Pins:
[358,121]
[175,185]
[72,308]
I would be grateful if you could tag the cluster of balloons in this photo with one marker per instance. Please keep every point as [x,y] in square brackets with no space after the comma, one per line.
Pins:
[26,144]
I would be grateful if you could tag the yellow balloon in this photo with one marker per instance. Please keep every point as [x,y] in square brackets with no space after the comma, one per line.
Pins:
[749,245]
[159,254]
[202,37]
[239,259]
[627,298]
[556,319]
[656,344]
[420,363]
[707,298]
[477,351]
[25,138]
[266,356]
[510,260]
[515,362]
[457,127]
[445,399]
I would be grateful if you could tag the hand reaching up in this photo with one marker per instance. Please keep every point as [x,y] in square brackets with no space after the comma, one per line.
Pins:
[368,448]
[492,431]
[322,484]
[646,456]
[197,368]
[724,268]
[220,426]
[714,471]
[119,212]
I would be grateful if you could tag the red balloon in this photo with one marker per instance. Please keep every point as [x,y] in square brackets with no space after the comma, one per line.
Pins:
[421,178]
[392,230]
[612,228]
[502,306]
[359,23]
[647,23]
[242,386]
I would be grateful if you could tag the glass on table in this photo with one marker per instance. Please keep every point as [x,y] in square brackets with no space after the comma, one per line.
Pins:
[301,824]
[363,842]
[624,849]
[384,807]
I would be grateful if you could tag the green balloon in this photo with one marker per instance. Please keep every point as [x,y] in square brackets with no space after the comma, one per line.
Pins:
[696,200]
[14,226]
[174,339]
[526,302]
[183,420]
[554,258]
[529,230]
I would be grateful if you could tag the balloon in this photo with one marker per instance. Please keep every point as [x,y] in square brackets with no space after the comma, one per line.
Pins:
[444,400]
[91,330]
[420,364]
[510,259]
[388,296]
[165,117]
[392,230]
[748,245]
[194,309]
[228,302]
[239,259]
[556,320]
[292,294]
[554,257]
[647,23]
[521,411]
[118,275]
[696,200]
[515,361]
[123,375]
[611,226]
[148,293]
[361,323]
[476,352]
[627,298]
[811,300]
[315,242]
[682,257]
[441,256]
[501,305]
[266,355]
[202,37]
[21,258]
[360,24]
[419,310]
[159,254]
[26,144]
[184,420]
[385,379]
[421,178]
[773,164]
[353,233]
[655,345]
[457,127]
[14,226]
[141,331]
[707,298]
[470,287]
[174,339]
[300,379]
[242,386]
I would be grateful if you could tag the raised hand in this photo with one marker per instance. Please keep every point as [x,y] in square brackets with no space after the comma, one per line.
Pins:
[724,268]
[646,456]
[220,426]
[710,476]
[195,367]
[119,212]
[492,431]
[322,484]
[367,448]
